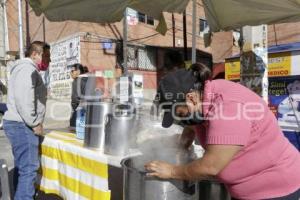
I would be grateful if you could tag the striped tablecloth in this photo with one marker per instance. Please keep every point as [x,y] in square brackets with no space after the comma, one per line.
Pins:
[71,171]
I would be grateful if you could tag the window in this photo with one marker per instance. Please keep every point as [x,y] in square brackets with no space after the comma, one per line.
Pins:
[147,59]
[150,20]
[141,58]
[145,19]
[203,27]
[142,17]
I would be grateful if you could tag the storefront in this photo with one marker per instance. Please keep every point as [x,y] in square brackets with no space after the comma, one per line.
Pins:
[284,86]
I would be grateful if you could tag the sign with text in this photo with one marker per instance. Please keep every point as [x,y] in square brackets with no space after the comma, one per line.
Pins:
[254,60]
[284,99]
[279,64]
[232,69]
[106,44]
[132,17]
[63,55]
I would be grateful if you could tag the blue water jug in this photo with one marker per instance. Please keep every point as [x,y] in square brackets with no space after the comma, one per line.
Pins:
[80,122]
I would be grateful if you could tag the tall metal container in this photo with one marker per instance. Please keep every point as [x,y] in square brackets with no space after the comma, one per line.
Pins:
[213,190]
[137,186]
[120,130]
[96,119]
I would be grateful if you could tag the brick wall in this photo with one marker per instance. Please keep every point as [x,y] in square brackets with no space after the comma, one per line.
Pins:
[285,33]
[93,55]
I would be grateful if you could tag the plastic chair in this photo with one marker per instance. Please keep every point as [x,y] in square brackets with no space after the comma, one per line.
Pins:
[4,181]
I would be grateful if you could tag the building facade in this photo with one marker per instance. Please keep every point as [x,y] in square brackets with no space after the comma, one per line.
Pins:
[99,46]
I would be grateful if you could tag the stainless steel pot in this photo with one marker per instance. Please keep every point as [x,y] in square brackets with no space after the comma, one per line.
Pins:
[120,130]
[213,190]
[137,186]
[95,124]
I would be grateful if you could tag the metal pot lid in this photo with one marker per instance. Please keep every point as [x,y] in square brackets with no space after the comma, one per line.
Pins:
[123,110]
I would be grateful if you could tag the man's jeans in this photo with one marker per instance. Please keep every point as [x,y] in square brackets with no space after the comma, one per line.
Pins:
[25,147]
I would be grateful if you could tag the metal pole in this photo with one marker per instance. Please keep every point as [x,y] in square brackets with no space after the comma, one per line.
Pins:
[125,29]
[265,80]
[194,32]
[20,28]
[27,25]
[5,26]
[185,37]
[5,40]
[4,29]
[173,28]
[44,30]
[275,34]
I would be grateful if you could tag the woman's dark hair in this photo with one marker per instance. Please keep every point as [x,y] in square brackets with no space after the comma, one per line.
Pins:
[79,67]
[202,73]
[173,59]
[220,75]
[86,69]
[46,46]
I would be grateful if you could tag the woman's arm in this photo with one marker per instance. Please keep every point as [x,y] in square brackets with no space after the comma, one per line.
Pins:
[214,160]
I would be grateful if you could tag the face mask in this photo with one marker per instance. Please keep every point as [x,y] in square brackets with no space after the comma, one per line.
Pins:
[196,119]
[43,66]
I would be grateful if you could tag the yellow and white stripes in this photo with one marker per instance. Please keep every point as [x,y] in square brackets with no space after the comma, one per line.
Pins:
[71,171]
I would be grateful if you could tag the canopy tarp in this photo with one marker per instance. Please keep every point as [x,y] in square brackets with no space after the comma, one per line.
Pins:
[232,14]
[105,11]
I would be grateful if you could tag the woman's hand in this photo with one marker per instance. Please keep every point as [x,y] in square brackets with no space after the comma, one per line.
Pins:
[160,169]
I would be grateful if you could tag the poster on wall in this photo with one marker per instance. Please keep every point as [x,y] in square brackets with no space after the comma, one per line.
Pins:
[132,17]
[254,60]
[232,69]
[284,100]
[252,71]
[279,64]
[137,87]
[63,55]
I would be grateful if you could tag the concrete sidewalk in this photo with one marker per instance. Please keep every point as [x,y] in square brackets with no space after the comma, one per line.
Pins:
[57,117]
[6,153]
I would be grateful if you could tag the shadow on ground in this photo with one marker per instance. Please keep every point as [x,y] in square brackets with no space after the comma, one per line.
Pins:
[40,195]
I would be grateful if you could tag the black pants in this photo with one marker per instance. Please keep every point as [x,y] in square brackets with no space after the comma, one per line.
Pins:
[73,119]
[293,196]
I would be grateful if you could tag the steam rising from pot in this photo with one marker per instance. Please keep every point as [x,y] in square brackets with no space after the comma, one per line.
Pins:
[158,143]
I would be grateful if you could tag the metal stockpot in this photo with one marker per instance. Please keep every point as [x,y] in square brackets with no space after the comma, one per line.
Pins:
[137,186]
[96,119]
[213,190]
[120,130]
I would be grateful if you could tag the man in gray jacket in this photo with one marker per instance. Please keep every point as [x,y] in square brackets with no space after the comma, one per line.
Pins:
[25,115]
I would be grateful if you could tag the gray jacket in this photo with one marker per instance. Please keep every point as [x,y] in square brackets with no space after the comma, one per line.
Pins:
[27,94]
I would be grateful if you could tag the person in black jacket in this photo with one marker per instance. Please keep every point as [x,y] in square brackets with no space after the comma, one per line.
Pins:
[78,90]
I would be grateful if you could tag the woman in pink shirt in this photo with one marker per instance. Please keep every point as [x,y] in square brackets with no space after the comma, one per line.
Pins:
[244,146]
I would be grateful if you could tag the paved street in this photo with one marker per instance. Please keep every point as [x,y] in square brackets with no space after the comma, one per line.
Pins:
[56,118]
[5,150]
[5,153]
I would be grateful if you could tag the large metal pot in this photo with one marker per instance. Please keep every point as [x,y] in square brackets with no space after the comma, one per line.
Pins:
[120,130]
[137,186]
[213,190]
[96,119]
